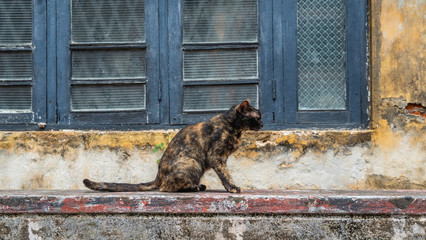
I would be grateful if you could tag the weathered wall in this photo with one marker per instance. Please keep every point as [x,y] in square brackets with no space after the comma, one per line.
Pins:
[288,159]
[123,226]
[398,48]
[389,155]
[398,91]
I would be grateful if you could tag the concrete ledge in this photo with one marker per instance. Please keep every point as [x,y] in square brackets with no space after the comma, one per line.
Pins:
[388,202]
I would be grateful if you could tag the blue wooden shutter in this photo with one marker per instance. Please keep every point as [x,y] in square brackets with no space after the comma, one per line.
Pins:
[322,71]
[111,71]
[22,57]
[215,57]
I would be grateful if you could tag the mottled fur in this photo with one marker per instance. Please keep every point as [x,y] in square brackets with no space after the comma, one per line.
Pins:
[195,149]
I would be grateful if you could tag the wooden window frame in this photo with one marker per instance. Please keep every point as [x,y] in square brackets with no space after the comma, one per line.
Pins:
[37,114]
[107,119]
[176,48]
[356,113]
[277,66]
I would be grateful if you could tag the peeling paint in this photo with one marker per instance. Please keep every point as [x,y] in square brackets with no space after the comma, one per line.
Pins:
[377,181]
[398,96]
[268,143]
[398,48]
[416,110]
[62,142]
[402,69]
[287,159]
[215,202]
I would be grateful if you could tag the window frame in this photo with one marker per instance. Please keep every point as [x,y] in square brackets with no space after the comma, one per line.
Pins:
[107,119]
[177,47]
[37,114]
[277,66]
[356,113]
[278,92]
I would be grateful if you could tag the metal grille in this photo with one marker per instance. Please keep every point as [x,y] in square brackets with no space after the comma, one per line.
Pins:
[220,64]
[15,22]
[15,66]
[321,54]
[217,98]
[15,98]
[108,21]
[118,64]
[108,97]
[219,21]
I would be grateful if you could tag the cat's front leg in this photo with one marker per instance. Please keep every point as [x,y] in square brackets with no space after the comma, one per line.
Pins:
[222,171]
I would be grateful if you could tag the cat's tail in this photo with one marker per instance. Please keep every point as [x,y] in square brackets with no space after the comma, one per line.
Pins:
[120,187]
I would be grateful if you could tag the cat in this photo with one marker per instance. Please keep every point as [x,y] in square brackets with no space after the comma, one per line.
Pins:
[194,150]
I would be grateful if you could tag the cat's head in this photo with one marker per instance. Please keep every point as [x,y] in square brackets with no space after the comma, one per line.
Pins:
[248,117]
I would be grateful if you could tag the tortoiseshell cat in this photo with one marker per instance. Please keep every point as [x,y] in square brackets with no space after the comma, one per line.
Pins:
[194,150]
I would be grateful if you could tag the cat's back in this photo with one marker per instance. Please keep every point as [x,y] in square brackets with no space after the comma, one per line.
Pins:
[198,134]
[191,140]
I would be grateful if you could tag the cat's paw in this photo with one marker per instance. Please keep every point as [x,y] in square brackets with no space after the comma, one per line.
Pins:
[201,187]
[233,189]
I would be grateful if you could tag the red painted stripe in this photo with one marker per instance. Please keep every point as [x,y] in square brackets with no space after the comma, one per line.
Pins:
[249,202]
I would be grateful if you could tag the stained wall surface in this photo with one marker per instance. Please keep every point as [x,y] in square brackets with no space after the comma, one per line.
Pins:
[391,154]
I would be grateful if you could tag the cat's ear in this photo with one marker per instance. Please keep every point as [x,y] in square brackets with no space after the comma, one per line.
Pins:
[243,107]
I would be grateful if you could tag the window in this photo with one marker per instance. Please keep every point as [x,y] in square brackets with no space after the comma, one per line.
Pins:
[323,64]
[110,73]
[126,64]
[22,56]
[219,49]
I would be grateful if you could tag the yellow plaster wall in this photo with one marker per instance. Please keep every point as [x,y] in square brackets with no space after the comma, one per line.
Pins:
[398,31]
[397,53]
[397,82]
